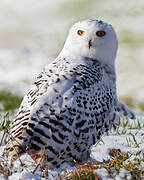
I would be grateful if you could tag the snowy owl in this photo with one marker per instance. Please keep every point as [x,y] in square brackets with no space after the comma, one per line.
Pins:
[73,101]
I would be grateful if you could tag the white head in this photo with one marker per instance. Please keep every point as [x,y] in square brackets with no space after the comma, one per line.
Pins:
[92,39]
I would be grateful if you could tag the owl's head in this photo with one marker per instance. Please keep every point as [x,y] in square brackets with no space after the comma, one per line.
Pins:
[92,39]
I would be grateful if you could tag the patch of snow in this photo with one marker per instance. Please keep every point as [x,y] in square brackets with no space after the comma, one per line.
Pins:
[24,175]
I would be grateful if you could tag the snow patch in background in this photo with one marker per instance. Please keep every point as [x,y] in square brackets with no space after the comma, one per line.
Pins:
[32,34]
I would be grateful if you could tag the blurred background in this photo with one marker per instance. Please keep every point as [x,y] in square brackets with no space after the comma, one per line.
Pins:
[32,33]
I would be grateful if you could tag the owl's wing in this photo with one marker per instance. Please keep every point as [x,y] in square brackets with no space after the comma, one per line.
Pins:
[49,83]
[49,86]
[119,106]
[29,101]
[124,110]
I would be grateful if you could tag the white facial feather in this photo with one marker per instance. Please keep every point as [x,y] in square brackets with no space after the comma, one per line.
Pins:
[103,48]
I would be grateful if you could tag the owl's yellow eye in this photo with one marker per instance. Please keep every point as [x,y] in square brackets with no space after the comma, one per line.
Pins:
[100,33]
[80,32]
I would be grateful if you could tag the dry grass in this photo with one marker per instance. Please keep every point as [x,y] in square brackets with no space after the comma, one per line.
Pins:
[113,166]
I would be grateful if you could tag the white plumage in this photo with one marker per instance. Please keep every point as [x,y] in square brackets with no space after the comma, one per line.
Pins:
[73,101]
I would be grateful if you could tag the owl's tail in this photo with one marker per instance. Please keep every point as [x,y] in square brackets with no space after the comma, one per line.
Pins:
[13,149]
[124,110]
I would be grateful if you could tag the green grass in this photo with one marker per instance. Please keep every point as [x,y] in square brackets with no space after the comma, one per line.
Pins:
[9,101]
[141,106]
[8,104]
[5,124]
[131,140]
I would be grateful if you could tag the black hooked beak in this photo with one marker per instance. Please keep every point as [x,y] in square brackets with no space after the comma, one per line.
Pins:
[89,44]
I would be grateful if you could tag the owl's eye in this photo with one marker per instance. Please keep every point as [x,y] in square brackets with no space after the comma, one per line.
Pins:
[80,32]
[100,33]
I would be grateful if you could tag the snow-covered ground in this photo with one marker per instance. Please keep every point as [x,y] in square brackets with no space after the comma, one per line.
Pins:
[122,140]
[32,33]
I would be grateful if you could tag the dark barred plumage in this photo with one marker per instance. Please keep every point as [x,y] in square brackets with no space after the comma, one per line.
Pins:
[71,120]
[71,105]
